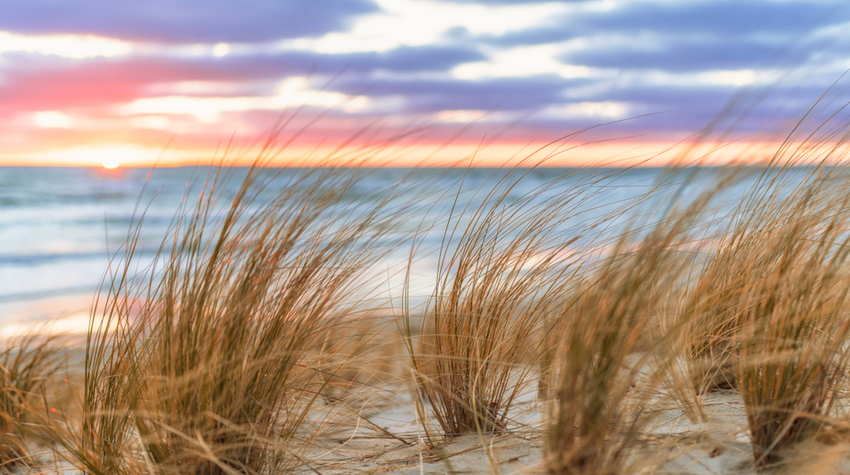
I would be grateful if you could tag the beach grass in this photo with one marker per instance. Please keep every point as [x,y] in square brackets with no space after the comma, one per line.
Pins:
[210,363]
[791,316]
[478,343]
[606,371]
[244,343]
[27,363]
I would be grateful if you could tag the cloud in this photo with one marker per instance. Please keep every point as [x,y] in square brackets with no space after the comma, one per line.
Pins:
[183,21]
[31,81]
[691,107]
[501,94]
[680,60]
[534,36]
[427,58]
[719,19]
[716,17]
[101,84]
[510,2]
[677,54]
[95,83]
[410,59]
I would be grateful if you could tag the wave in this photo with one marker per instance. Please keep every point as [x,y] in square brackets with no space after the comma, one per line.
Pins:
[47,293]
[36,259]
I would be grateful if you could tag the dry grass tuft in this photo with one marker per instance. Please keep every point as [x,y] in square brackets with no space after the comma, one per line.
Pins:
[791,309]
[211,359]
[602,376]
[26,364]
[203,365]
[478,341]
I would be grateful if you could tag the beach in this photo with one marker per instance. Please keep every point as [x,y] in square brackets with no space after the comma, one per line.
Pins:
[434,321]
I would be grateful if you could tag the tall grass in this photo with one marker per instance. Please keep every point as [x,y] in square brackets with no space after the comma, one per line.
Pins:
[209,358]
[478,341]
[26,364]
[712,325]
[791,312]
[602,377]
[202,365]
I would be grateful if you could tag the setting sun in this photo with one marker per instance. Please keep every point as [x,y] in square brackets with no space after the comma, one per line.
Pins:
[111,163]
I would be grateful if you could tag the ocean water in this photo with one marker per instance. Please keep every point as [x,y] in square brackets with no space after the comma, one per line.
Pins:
[59,226]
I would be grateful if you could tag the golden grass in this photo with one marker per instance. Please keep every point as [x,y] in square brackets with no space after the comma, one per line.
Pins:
[602,375]
[255,317]
[204,366]
[791,314]
[26,364]
[479,335]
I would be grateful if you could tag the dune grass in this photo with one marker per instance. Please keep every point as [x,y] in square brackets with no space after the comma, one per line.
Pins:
[215,357]
[478,342]
[26,364]
[791,314]
[602,374]
[204,365]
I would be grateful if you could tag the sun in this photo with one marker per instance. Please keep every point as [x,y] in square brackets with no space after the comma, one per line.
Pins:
[110,163]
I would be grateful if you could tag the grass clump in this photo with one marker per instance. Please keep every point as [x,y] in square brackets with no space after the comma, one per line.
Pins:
[26,364]
[203,365]
[479,338]
[713,327]
[211,358]
[602,376]
[791,312]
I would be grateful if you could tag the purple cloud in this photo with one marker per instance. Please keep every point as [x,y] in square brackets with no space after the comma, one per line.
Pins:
[722,20]
[501,94]
[682,55]
[183,21]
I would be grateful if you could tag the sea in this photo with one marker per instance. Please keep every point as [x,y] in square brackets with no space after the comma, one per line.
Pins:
[62,228]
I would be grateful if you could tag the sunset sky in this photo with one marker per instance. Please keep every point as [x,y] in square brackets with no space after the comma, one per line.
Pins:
[87,81]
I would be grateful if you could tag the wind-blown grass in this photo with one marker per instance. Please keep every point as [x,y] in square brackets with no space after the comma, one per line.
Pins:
[211,358]
[203,367]
[791,312]
[26,364]
[478,342]
[601,373]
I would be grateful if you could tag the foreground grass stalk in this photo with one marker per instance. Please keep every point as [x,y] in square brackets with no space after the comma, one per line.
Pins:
[792,314]
[601,373]
[26,364]
[203,367]
[480,334]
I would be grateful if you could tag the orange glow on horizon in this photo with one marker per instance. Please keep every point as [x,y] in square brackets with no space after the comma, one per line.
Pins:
[608,154]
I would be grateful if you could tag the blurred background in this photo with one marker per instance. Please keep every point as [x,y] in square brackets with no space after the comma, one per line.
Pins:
[88,82]
[94,94]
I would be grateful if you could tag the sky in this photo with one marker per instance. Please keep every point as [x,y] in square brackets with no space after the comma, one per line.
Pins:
[85,82]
